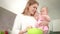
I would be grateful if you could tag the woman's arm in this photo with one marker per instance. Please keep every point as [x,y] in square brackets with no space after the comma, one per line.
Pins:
[16,28]
[17,25]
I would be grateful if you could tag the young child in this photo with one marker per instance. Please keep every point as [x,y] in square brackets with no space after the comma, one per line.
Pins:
[42,19]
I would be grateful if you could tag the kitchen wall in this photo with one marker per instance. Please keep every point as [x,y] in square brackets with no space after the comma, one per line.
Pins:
[6,19]
[0,2]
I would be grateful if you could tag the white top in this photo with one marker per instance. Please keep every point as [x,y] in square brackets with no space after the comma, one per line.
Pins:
[21,22]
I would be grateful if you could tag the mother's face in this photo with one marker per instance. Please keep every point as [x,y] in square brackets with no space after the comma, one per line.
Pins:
[33,9]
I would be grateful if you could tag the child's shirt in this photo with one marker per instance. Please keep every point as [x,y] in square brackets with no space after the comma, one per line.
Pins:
[39,20]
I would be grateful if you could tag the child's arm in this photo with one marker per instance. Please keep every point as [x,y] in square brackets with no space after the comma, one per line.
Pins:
[47,18]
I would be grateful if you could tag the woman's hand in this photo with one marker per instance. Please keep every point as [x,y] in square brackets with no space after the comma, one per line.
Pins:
[29,27]
[25,30]
[21,32]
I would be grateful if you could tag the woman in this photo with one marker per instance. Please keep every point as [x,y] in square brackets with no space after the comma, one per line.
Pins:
[27,19]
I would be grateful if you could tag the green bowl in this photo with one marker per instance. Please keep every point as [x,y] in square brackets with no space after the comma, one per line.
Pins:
[2,32]
[35,31]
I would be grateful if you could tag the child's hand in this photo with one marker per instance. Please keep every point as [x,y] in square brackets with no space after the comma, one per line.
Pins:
[46,17]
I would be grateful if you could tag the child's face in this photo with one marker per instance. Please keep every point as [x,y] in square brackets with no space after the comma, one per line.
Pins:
[44,11]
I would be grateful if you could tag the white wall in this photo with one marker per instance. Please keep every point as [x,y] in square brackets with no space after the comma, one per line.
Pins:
[56,23]
[15,6]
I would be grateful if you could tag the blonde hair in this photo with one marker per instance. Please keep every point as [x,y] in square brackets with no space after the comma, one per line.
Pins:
[29,3]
